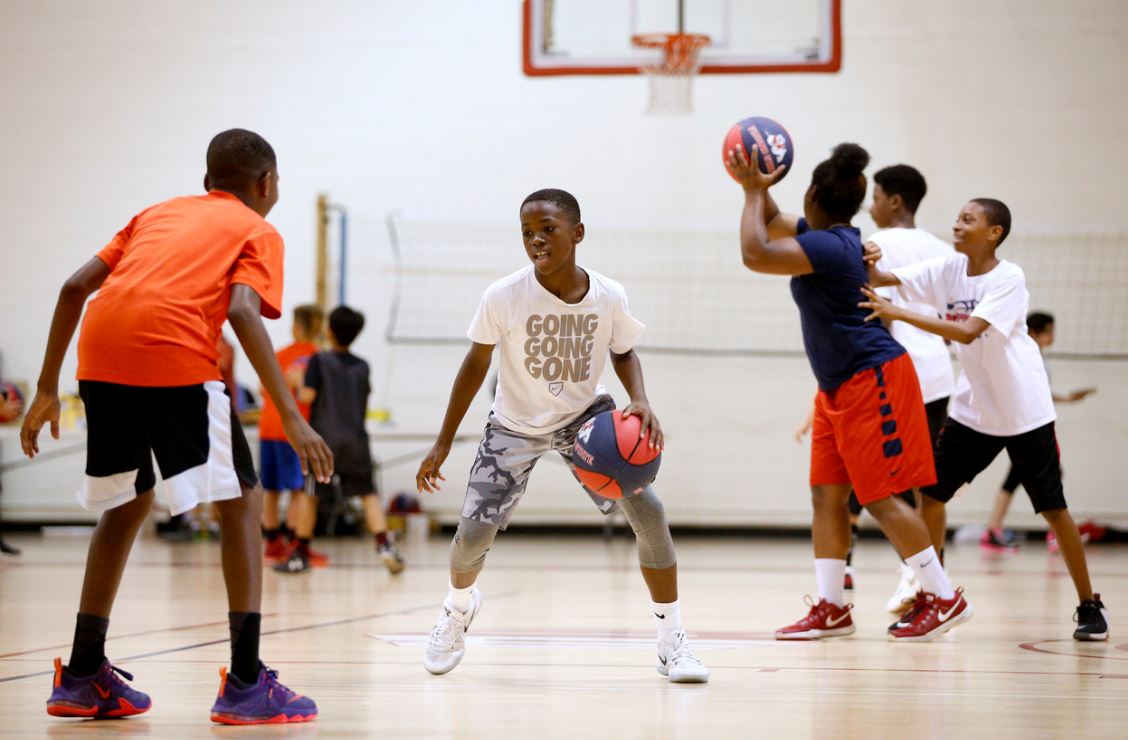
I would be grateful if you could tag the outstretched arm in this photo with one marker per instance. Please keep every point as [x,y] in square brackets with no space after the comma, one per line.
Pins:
[964,332]
[1073,396]
[68,310]
[761,252]
[629,370]
[244,313]
[470,377]
[871,255]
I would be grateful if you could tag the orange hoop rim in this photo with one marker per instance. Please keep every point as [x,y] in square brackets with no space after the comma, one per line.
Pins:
[681,49]
[665,40]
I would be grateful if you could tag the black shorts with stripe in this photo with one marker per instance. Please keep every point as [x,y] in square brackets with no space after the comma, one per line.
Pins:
[191,430]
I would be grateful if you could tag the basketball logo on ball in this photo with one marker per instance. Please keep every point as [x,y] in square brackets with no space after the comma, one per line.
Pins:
[611,457]
[773,144]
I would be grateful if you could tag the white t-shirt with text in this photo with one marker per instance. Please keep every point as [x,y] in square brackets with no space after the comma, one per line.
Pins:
[1002,389]
[552,353]
[902,247]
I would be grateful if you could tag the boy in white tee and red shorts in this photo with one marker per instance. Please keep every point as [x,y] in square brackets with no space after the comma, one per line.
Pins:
[1002,399]
[897,193]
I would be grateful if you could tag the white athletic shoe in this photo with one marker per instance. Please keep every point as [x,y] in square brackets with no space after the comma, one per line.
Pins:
[906,591]
[678,663]
[447,646]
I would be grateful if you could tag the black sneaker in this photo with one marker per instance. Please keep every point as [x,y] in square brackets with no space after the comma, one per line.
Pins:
[1092,620]
[296,562]
[391,558]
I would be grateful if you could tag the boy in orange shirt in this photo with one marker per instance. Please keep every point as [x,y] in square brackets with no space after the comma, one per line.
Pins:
[279,466]
[149,377]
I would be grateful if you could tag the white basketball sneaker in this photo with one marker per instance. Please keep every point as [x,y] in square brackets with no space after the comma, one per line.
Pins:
[906,591]
[678,663]
[447,645]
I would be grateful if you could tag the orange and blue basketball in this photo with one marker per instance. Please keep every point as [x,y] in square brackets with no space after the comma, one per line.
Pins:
[611,459]
[770,139]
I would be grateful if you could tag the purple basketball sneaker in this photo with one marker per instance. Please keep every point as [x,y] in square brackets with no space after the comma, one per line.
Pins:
[101,694]
[264,702]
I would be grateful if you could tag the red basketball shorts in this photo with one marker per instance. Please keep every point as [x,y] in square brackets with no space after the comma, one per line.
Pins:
[872,431]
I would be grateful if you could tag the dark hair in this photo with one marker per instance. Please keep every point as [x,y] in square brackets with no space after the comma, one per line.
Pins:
[1039,321]
[237,158]
[997,214]
[905,181]
[345,324]
[840,186]
[561,198]
[309,317]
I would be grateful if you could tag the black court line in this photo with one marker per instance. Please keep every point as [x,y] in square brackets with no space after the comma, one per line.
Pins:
[285,630]
[182,628]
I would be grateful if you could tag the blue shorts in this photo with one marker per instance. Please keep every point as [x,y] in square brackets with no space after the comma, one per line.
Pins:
[281,468]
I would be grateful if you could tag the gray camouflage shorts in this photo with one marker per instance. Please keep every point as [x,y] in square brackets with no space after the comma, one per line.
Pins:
[505,460]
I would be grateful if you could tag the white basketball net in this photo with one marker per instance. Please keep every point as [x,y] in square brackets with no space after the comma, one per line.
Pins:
[671,80]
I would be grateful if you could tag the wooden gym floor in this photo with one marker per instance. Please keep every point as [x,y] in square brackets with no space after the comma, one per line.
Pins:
[563,646]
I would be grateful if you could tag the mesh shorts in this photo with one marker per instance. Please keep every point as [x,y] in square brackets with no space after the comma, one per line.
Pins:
[280,467]
[963,453]
[872,431]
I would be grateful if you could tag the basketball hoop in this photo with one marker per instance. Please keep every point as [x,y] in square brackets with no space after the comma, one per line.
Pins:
[671,80]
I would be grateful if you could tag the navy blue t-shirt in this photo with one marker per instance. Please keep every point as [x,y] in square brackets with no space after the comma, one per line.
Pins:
[839,342]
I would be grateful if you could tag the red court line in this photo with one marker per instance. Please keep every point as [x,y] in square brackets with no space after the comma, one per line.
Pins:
[735,569]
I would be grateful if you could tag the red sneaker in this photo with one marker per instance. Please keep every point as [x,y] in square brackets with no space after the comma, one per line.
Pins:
[931,617]
[1091,531]
[824,620]
[318,559]
[276,549]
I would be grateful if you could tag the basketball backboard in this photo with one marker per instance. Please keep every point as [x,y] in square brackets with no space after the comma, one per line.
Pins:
[593,37]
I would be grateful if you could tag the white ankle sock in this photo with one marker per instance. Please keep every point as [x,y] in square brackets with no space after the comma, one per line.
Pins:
[926,565]
[831,575]
[667,618]
[459,598]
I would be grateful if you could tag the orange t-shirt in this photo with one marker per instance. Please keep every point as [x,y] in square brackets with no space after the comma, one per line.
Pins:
[156,321]
[270,422]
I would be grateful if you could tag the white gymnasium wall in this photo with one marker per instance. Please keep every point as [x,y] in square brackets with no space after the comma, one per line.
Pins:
[421,105]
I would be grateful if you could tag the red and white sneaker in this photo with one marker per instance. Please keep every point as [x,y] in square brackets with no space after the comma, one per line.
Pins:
[824,620]
[931,617]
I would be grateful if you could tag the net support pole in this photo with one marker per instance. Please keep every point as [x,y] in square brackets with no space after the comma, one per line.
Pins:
[343,256]
[321,275]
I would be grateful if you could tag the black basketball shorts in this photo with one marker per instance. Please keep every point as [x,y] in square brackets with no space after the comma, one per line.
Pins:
[191,430]
[963,453]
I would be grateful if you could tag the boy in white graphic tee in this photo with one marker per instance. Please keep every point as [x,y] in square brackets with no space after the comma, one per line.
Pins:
[1002,398]
[556,323]
[897,193]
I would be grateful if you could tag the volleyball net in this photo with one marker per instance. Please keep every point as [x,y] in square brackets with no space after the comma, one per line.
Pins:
[695,296]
